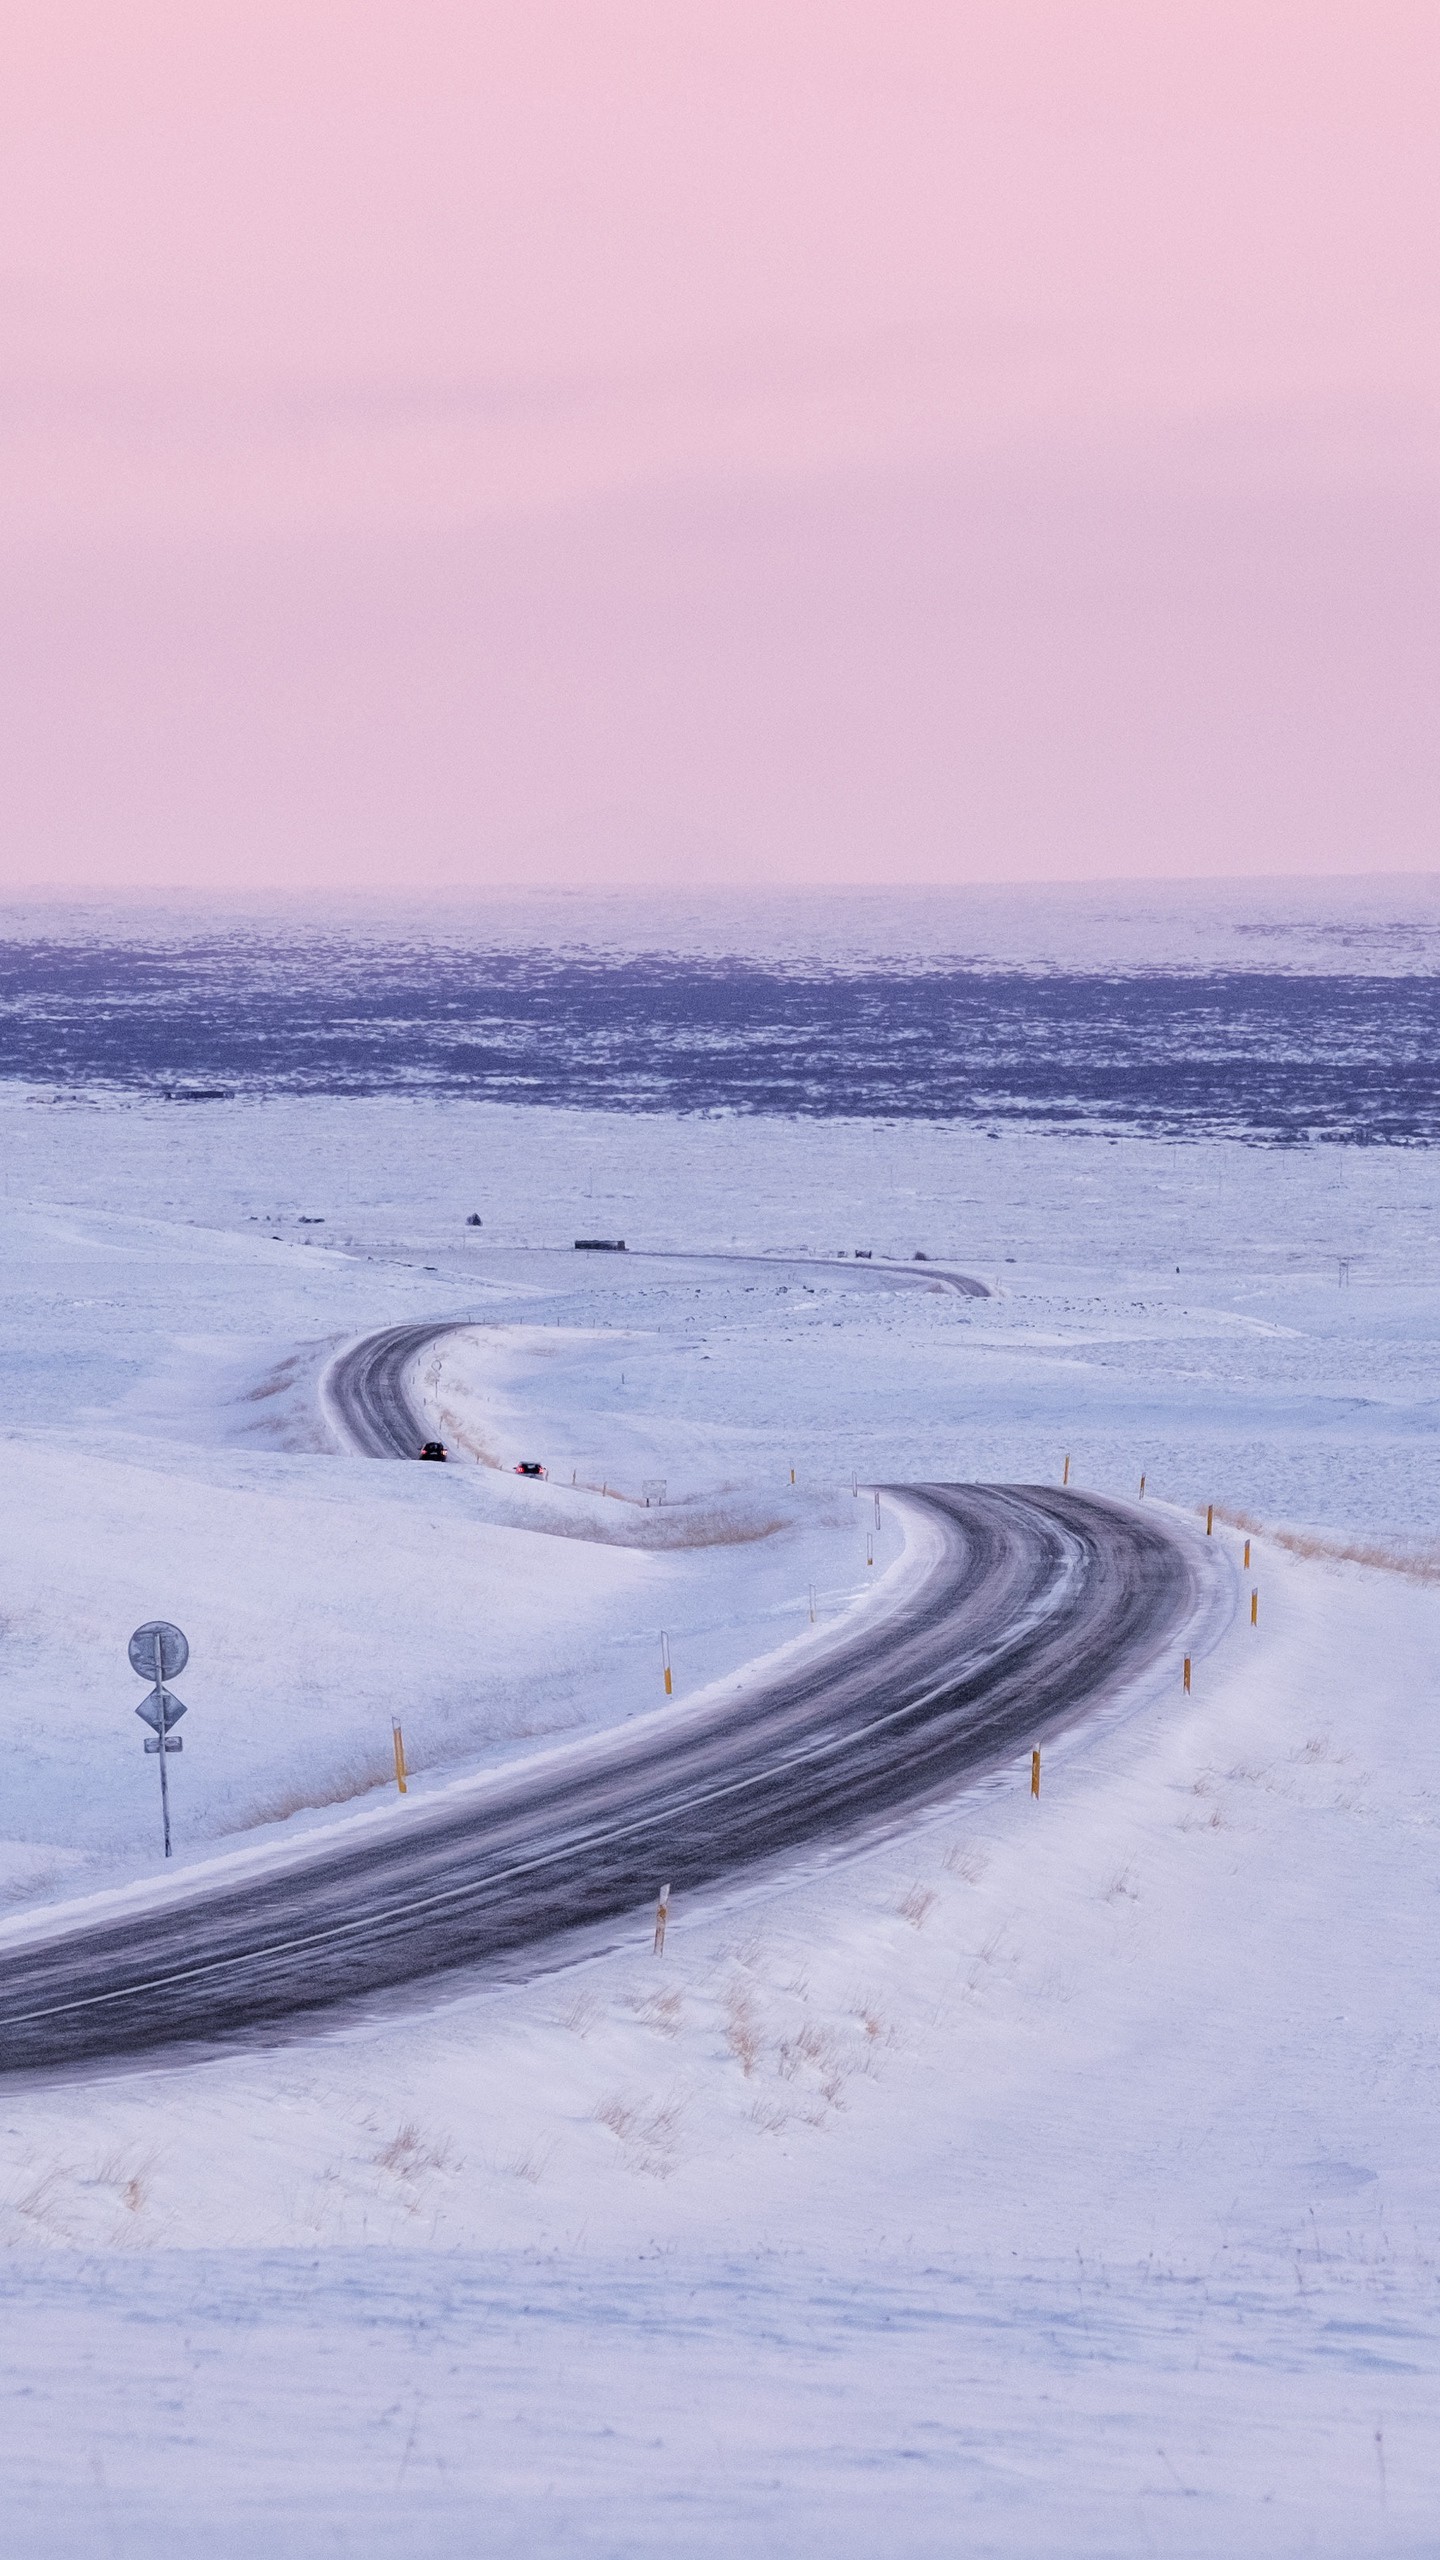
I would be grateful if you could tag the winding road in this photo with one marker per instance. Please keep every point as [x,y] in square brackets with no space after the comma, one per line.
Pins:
[1033,1604]
[365,1392]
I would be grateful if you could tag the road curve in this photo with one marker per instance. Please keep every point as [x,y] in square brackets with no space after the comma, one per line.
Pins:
[1034,1604]
[364,1393]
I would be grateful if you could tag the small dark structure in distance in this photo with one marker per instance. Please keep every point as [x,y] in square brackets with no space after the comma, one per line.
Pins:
[599,1244]
[474,1219]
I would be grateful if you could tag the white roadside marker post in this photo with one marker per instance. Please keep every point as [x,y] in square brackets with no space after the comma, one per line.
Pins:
[159,1652]
[662,1915]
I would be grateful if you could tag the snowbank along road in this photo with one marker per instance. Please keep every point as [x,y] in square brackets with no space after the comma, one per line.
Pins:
[1033,1604]
[366,1392]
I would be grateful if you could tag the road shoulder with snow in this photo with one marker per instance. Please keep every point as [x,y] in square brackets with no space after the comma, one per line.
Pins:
[1054,2174]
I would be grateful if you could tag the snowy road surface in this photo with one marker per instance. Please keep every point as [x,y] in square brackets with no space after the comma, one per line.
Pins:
[366,1395]
[365,1390]
[1027,2179]
[1034,1603]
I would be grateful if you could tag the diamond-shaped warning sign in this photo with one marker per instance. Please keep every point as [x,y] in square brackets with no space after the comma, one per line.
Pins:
[149,1708]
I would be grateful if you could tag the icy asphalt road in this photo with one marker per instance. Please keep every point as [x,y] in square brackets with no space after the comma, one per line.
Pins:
[365,1392]
[1034,1604]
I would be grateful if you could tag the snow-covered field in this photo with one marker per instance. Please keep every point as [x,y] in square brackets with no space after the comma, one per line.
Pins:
[1042,2178]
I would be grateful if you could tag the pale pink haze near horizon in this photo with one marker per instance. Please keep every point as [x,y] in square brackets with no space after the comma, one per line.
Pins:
[755,447]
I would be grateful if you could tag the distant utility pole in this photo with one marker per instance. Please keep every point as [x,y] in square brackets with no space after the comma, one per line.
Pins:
[159,1652]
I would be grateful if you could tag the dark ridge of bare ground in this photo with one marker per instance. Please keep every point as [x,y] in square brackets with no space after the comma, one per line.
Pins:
[1272,1056]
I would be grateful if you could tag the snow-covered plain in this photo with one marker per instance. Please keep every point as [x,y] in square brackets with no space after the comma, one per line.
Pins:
[1038,2178]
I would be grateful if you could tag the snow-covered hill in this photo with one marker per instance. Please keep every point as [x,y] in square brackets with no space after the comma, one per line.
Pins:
[1044,2177]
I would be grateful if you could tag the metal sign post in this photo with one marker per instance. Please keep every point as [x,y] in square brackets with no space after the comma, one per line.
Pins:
[159,1652]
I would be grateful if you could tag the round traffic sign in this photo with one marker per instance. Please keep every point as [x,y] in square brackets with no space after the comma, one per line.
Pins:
[173,1649]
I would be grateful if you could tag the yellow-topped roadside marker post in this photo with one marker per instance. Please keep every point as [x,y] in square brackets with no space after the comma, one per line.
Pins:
[401,1773]
[665,1666]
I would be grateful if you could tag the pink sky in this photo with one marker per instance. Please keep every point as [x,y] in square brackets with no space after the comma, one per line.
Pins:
[447,446]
